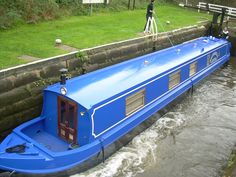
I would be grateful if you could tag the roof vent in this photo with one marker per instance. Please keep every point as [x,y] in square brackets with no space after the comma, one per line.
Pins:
[146,62]
[178,51]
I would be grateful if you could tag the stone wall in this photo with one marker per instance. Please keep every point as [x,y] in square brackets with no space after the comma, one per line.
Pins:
[21,87]
[232,39]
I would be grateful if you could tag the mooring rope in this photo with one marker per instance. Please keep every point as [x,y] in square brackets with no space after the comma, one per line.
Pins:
[163,29]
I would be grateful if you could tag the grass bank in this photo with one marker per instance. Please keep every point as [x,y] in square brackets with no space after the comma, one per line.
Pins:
[85,31]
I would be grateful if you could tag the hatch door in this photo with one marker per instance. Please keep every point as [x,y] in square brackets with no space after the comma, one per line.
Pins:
[67,120]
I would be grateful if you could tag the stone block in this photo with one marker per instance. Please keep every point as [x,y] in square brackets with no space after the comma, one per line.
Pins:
[14,120]
[52,70]
[99,58]
[74,64]
[13,96]
[118,60]
[142,46]
[20,106]
[6,84]
[103,65]
[4,134]
[114,53]
[128,50]
[36,88]
[8,123]
[90,67]
[26,77]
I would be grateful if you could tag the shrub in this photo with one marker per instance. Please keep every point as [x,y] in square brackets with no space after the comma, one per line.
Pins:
[9,14]
[32,11]
[35,10]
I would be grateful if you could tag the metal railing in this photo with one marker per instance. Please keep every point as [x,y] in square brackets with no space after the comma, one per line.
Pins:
[230,11]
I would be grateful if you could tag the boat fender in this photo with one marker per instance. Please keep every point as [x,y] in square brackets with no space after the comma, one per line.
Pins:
[102,150]
[16,149]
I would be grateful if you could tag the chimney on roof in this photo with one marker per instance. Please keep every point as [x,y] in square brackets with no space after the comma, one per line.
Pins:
[63,76]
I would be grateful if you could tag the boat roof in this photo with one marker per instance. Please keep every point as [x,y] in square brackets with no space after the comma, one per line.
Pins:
[93,88]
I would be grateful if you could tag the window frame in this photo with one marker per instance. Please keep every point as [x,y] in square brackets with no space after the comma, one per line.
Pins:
[195,66]
[131,99]
[173,76]
[64,130]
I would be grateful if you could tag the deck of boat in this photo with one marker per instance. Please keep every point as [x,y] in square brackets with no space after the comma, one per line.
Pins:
[50,142]
[37,132]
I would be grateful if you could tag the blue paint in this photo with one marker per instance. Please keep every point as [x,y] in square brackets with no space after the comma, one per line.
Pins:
[101,99]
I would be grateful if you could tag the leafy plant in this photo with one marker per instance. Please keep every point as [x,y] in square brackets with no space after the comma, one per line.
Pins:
[32,11]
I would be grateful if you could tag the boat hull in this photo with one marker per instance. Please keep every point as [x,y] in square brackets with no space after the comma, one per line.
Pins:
[110,150]
[98,158]
[38,159]
[131,127]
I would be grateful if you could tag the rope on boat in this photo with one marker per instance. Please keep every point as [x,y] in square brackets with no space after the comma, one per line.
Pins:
[16,149]
[102,150]
[164,30]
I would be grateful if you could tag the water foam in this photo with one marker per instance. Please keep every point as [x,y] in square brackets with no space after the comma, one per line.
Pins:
[142,151]
[131,159]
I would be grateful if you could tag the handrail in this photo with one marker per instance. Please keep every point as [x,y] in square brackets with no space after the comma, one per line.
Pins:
[231,11]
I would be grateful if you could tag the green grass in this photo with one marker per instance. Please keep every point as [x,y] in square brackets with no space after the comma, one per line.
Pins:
[84,31]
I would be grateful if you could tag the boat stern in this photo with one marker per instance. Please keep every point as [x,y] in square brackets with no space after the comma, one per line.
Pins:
[14,150]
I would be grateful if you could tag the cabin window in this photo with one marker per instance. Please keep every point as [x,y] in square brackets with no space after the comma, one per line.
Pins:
[67,120]
[174,79]
[71,115]
[193,69]
[63,112]
[134,102]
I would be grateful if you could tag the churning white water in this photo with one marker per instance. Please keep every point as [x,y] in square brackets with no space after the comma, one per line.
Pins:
[194,138]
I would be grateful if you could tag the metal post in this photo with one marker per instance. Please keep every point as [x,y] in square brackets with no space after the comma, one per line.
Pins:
[222,20]
[208,8]
[91,9]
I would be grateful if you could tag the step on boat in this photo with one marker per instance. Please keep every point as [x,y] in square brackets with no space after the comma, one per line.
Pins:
[82,116]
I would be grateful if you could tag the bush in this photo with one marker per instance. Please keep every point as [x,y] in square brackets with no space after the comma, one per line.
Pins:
[13,12]
[35,10]
[8,14]
[30,11]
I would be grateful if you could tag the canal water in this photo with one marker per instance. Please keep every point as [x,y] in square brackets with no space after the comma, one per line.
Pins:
[193,139]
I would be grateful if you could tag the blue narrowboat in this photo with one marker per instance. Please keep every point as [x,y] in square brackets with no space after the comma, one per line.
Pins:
[85,114]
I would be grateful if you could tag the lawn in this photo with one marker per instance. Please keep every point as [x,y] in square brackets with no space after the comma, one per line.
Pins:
[85,31]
